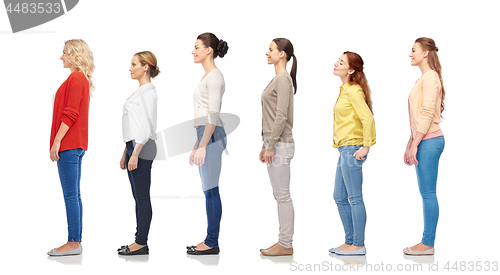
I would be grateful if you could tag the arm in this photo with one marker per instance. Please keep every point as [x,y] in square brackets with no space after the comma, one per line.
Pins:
[215,87]
[54,151]
[199,156]
[430,92]
[358,102]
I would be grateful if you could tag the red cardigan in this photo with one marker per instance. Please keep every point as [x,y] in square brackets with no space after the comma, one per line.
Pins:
[71,106]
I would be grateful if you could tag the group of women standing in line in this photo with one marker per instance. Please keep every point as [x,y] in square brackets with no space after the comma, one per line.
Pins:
[354,134]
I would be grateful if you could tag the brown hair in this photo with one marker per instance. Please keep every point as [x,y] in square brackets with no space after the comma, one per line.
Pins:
[286,46]
[147,57]
[358,77]
[429,45]
[219,47]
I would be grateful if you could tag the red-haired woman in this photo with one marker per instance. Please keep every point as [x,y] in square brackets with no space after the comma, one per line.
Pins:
[425,105]
[354,134]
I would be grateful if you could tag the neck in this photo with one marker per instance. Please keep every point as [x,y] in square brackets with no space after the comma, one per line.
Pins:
[144,80]
[424,67]
[73,69]
[345,79]
[208,64]
[280,67]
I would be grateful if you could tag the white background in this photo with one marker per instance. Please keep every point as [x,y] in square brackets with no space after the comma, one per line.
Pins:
[32,213]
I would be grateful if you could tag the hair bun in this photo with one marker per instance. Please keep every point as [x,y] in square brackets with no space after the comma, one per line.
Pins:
[222,48]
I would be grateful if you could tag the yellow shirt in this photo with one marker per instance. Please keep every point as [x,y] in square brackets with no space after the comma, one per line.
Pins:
[353,122]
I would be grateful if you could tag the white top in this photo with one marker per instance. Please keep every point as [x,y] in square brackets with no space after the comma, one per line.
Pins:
[207,99]
[139,115]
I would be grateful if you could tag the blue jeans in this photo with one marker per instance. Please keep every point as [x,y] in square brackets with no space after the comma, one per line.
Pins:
[428,154]
[69,166]
[348,195]
[209,174]
[140,181]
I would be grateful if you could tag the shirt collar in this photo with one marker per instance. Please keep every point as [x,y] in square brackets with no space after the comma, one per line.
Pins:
[345,87]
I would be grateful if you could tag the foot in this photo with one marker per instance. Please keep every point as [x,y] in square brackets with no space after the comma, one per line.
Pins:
[278,250]
[420,247]
[202,246]
[350,248]
[269,247]
[135,246]
[67,247]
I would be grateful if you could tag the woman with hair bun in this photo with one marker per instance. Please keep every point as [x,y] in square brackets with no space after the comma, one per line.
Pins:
[278,145]
[426,143]
[139,134]
[353,135]
[207,151]
[69,136]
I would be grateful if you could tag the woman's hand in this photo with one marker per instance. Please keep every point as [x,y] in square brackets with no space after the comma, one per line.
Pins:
[132,162]
[269,156]
[54,151]
[407,157]
[191,157]
[199,156]
[122,163]
[261,155]
[361,153]
[413,155]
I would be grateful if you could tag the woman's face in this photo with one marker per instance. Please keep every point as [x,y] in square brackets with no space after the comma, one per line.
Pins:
[65,59]
[342,67]
[274,55]
[137,70]
[200,52]
[417,54]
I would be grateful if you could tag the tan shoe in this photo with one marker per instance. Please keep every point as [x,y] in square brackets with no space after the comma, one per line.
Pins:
[269,247]
[278,250]
[429,251]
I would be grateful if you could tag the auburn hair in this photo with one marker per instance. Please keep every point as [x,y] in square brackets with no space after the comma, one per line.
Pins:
[356,63]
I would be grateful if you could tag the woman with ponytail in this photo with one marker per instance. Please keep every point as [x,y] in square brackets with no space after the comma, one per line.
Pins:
[354,134]
[426,143]
[211,142]
[69,136]
[139,135]
[279,147]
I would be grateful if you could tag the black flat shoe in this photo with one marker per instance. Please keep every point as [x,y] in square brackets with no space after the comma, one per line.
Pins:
[211,251]
[126,251]
[122,247]
[190,247]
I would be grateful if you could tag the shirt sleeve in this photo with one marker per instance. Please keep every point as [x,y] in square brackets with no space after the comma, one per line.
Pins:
[430,90]
[215,87]
[147,116]
[358,102]
[283,93]
[74,97]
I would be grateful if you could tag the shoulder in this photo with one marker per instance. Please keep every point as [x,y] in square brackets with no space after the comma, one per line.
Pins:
[215,74]
[283,78]
[430,76]
[355,89]
[77,76]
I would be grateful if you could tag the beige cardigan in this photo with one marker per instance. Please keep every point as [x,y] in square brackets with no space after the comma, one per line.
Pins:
[425,104]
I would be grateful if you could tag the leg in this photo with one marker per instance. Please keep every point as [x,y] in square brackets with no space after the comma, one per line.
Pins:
[341,199]
[429,152]
[353,178]
[279,175]
[209,174]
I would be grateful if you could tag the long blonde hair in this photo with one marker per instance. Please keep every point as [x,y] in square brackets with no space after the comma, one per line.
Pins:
[81,57]
[428,44]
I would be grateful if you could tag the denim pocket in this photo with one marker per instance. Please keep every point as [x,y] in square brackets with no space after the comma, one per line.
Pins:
[220,139]
[290,150]
[439,142]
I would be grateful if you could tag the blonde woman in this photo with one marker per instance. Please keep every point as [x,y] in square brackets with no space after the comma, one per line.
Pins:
[426,143]
[139,134]
[69,136]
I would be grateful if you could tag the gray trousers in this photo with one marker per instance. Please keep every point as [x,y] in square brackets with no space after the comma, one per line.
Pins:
[279,174]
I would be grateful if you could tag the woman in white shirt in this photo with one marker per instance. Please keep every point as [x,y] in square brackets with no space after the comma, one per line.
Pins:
[211,142]
[139,133]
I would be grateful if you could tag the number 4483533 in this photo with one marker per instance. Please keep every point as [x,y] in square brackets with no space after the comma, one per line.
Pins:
[34,8]
[471,266]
